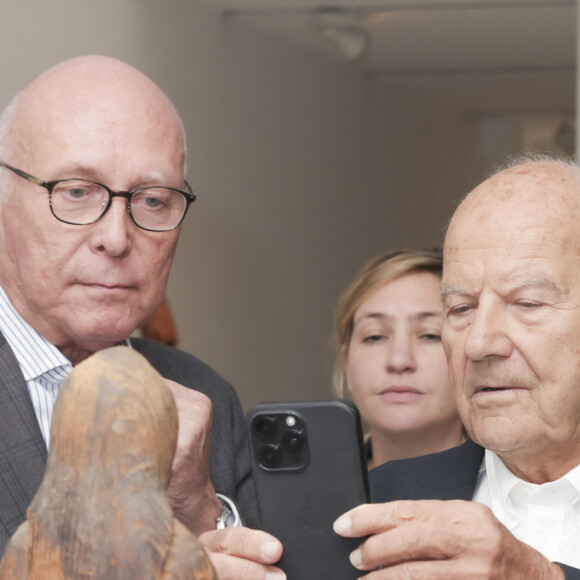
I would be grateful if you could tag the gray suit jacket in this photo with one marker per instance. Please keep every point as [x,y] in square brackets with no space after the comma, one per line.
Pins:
[23,452]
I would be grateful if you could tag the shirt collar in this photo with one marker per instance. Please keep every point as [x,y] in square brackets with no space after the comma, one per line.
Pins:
[509,494]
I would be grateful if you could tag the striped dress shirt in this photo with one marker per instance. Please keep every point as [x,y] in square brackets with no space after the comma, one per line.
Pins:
[44,367]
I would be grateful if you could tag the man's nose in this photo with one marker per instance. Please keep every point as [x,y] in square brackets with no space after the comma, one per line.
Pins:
[111,232]
[487,334]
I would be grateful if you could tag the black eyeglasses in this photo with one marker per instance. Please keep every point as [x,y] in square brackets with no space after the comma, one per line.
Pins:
[80,202]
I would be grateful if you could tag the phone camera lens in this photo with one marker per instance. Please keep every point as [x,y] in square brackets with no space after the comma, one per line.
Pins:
[269,456]
[266,427]
[293,441]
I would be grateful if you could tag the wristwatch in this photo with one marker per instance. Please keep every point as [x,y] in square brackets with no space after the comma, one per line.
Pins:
[229,516]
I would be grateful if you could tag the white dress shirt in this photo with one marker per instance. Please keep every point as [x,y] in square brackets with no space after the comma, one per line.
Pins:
[547,516]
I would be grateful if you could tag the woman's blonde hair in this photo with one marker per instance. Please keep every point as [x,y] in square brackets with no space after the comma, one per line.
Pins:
[375,274]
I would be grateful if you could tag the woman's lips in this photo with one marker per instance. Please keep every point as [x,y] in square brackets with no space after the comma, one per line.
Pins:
[400,394]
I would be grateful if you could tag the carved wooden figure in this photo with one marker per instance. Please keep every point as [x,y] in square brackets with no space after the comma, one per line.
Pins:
[101,512]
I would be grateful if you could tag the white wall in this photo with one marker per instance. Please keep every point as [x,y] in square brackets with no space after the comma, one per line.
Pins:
[303,170]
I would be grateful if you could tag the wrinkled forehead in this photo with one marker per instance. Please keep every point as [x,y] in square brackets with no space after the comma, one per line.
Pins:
[527,202]
[519,215]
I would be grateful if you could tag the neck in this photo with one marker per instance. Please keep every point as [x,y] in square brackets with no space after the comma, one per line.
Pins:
[388,446]
[74,354]
[550,468]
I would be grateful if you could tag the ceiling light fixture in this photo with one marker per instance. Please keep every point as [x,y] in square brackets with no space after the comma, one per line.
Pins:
[343,27]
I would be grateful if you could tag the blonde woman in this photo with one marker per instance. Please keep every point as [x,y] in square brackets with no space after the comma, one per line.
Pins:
[390,361]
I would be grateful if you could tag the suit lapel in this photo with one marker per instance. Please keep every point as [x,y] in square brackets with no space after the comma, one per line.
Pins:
[452,474]
[22,449]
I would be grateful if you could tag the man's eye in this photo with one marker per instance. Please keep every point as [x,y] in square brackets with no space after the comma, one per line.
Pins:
[76,192]
[152,202]
[149,200]
[459,309]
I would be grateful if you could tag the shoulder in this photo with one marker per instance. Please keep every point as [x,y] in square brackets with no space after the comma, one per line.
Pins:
[184,368]
[450,474]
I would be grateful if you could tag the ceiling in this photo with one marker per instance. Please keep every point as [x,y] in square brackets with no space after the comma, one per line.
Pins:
[483,56]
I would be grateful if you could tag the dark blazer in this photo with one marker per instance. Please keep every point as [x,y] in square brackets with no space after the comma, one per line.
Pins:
[451,474]
[23,452]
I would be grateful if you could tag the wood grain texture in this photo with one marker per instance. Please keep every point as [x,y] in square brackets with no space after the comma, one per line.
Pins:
[101,512]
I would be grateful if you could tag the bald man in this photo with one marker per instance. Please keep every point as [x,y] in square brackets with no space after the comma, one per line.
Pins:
[93,195]
[511,332]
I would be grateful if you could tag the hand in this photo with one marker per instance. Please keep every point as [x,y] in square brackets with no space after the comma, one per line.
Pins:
[191,492]
[439,539]
[243,554]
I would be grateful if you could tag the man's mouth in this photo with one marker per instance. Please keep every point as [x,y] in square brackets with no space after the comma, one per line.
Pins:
[496,395]
[106,285]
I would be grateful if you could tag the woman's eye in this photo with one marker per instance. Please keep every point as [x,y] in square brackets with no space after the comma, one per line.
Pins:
[431,337]
[373,338]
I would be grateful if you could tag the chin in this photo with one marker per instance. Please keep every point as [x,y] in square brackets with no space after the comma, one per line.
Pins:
[398,426]
[107,334]
[495,439]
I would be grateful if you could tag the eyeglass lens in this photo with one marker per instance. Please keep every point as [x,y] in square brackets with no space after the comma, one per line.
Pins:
[82,202]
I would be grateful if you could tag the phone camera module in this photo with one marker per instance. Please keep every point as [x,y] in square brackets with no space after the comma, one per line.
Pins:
[266,428]
[293,441]
[279,441]
[270,456]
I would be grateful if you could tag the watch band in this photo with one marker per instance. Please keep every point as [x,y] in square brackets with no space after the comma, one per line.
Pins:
[229,516]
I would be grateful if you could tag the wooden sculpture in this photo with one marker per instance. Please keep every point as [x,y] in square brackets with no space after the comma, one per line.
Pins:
[101,512]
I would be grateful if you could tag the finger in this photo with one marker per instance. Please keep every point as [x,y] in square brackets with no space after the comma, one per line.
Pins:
[194,411]
[367,519]
[232,568]
[375,518]
[415,542]
[422,531]
[430,570]
[190,398]
[243,542]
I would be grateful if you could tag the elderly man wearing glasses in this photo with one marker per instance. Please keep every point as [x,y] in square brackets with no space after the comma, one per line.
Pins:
[93,196]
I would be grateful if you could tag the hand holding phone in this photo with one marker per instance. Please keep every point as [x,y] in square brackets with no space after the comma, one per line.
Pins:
[309,468]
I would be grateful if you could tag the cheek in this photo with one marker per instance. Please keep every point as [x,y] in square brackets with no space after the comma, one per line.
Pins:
[432,361]
[449,341]
[31,231]
[157,255]
[151,261]
[362,371]
[29,262]
[453,377]
[437,378]
[454,354]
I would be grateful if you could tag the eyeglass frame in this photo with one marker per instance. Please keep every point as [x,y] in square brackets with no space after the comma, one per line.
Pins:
[189,196]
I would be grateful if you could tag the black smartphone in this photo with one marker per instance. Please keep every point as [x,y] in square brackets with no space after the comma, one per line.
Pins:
[309,467]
